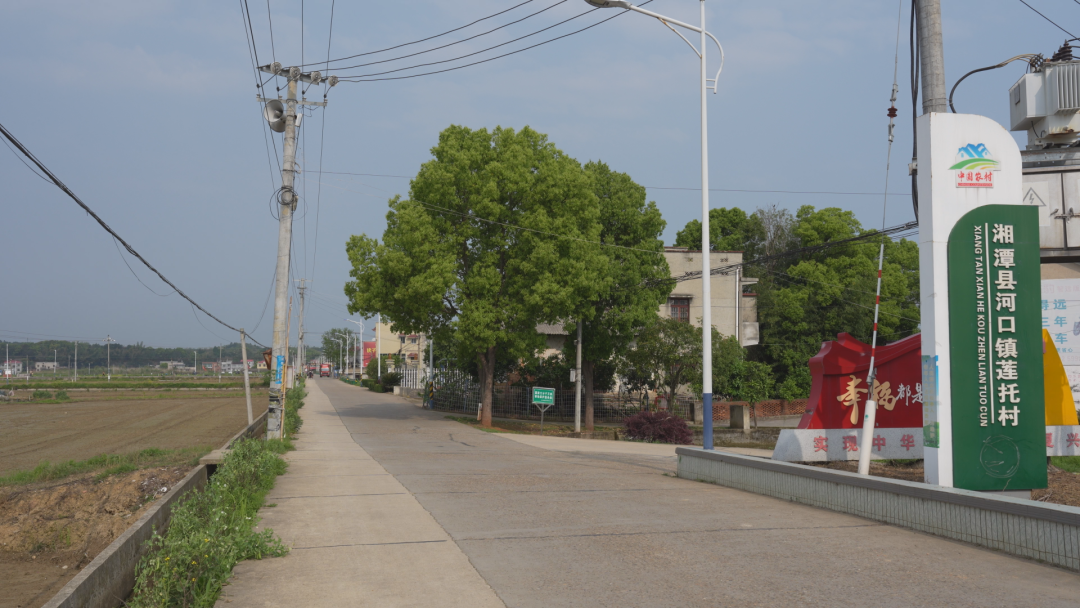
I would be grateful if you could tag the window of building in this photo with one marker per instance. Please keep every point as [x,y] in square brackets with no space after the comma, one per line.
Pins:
[680,309]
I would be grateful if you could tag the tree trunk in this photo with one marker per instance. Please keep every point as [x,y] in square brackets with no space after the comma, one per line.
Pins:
[487,385]
[587,368]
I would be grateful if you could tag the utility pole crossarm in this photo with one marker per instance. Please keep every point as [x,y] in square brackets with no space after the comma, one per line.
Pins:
[294,73]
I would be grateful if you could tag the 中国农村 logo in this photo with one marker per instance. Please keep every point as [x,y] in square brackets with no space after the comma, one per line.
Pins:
[974,167]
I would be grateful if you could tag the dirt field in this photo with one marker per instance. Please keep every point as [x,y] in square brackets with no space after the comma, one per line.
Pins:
[50,531]
[36,432]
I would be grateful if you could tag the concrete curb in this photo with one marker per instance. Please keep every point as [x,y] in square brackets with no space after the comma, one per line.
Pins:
[1035,530]
[107,580]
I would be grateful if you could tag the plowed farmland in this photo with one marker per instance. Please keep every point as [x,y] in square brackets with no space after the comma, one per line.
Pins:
[34,432]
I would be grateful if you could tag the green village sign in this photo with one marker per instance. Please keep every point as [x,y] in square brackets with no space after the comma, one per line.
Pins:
[995,335]
[979,280]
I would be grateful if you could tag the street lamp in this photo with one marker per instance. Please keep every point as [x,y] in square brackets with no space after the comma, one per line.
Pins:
[361,324]
[338,340]
[108,356]
[706,288]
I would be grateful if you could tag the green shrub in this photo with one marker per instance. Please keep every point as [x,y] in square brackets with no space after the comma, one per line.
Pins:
[62,396]
[40,394]
[294,400]
[390,379]
[378,388]
[211,531]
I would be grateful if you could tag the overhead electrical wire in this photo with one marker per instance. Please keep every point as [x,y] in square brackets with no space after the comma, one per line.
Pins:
[1027,56]
[253,54]
[1047,18]
[322,146]
[474,53]
[365,77]
[398,46]
[29,155]
[360,65]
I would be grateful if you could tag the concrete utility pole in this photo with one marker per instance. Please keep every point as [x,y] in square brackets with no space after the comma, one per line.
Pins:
[286,207]
[577,383]
[932,57]
[247,381]
[301,357]
[76,361]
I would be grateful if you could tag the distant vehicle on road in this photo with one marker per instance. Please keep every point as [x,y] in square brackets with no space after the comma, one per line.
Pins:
[324,370]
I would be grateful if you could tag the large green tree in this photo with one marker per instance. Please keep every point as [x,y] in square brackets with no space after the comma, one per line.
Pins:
[333,344]
[495,237]
[670,351]
[729,230]
[816,296]
[634,269]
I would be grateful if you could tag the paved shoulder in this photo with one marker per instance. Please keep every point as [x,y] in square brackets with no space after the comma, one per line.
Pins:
[358,537]
[569,444]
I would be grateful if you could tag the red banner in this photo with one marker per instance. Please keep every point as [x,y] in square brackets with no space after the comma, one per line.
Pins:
[839,392]
[369,352]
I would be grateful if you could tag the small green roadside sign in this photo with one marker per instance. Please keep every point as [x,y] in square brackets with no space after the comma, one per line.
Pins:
[543,396]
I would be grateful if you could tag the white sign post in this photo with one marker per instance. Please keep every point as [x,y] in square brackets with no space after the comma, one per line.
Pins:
[965,161]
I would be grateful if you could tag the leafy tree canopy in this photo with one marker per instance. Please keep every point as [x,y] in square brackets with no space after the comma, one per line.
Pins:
[493,239]
[729,230]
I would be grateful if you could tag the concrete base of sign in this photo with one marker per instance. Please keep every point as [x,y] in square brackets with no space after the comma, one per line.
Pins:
[740,418]
[826,445]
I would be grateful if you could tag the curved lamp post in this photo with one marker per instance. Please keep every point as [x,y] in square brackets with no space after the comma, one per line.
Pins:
[361,324]
[706,278]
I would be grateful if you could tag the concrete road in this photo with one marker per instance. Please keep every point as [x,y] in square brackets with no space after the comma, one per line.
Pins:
[547,528]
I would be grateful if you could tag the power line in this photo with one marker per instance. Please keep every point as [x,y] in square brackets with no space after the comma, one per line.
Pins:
[364,77]
[1047,18]
[7,134]
[360,65]
[420,65]
[398,46]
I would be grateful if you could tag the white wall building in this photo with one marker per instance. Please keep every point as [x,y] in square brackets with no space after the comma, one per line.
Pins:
[734,308]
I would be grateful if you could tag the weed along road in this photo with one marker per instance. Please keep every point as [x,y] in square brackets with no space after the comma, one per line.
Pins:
[387,504]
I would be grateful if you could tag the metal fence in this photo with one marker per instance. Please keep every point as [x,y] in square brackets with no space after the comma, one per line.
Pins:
[414,377]
[459,393]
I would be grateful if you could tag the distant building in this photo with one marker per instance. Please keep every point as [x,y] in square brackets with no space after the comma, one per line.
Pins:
[45,365]
[171,365]
[410,347]
[260,365]
[13,367]
[734,309]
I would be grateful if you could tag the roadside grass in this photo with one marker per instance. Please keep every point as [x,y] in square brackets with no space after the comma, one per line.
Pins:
[211,531]
[1070,464]
[294,400]
[106,465]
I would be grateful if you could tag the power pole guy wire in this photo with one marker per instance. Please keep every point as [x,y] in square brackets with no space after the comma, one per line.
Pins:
[59,184]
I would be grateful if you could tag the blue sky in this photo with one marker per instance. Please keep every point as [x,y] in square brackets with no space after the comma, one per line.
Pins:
[147,110]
